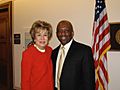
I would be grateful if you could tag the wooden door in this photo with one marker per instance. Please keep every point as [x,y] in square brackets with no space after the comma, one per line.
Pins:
[6,70]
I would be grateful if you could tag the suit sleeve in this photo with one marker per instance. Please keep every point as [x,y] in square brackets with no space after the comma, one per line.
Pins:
[88,70]
[26,65]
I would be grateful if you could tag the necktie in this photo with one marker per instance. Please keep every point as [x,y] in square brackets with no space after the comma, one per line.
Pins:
[60,64]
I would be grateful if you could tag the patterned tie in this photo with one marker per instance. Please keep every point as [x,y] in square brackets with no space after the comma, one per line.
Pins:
[60,65]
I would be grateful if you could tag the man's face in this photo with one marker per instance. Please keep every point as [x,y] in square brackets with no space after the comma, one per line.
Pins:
[64,32]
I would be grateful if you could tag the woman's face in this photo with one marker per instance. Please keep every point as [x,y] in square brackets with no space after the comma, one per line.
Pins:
[41,38]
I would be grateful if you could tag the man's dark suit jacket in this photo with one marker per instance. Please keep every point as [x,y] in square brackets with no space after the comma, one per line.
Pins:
[78,71]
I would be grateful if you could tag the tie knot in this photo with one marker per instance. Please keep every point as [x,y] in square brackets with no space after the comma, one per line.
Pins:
[62,47]
[63,50]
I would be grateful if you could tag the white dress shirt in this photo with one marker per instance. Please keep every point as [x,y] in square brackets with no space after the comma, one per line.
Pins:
[67,46]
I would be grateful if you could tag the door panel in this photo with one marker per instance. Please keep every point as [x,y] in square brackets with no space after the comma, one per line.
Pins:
[6,70]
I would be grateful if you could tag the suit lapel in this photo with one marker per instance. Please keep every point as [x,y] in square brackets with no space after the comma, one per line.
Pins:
[68,56]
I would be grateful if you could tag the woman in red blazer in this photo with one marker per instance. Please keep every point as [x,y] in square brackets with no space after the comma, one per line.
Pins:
[36,65]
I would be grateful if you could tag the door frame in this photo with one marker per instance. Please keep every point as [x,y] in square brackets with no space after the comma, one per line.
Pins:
[10,65]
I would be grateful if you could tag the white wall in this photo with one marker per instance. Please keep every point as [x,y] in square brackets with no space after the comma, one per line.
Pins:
[79,12]
[113,57]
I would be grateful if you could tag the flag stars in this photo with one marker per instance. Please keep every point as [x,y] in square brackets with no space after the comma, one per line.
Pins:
[99,1]
[97,9]
[99,6]
[97,12]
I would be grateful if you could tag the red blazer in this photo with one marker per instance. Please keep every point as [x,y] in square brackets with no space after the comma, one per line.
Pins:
[36,69]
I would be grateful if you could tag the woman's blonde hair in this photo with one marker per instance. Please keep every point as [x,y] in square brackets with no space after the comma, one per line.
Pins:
[37,25]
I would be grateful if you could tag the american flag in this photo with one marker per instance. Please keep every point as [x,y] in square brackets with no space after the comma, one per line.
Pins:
[101,44]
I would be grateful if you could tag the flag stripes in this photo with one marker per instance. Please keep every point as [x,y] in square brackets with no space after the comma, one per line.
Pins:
[101,44]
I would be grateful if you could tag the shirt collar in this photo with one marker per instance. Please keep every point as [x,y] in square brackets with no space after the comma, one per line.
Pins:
[67,46]
[39,48]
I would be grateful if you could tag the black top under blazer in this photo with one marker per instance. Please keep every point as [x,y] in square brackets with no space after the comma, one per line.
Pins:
[78,71]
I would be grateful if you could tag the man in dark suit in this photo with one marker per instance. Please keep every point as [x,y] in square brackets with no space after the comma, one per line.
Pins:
[78,71]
